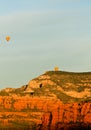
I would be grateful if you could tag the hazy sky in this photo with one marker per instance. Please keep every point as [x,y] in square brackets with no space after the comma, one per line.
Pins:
[44,34]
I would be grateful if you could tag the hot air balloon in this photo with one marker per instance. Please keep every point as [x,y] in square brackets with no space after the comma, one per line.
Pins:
[7,38]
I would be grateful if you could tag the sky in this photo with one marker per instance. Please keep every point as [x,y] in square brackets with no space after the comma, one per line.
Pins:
[44,34]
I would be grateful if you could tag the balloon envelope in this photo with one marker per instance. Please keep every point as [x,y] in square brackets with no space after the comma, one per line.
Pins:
[7,38]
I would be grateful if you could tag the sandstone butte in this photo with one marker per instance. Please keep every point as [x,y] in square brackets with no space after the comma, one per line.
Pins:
[38,111]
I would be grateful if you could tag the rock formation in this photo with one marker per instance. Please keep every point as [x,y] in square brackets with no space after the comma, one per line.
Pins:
[48,102]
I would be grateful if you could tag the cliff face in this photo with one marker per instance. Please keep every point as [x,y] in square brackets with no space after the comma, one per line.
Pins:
[52,101]
[43,113]
[66,86]
[74,85]
[68,116]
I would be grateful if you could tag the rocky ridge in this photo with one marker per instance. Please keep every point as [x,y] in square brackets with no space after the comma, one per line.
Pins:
[53,101]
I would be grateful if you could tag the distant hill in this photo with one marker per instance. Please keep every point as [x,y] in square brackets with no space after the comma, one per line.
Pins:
[66,86]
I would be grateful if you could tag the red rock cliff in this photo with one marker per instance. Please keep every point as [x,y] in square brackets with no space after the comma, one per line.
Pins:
[48,113]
